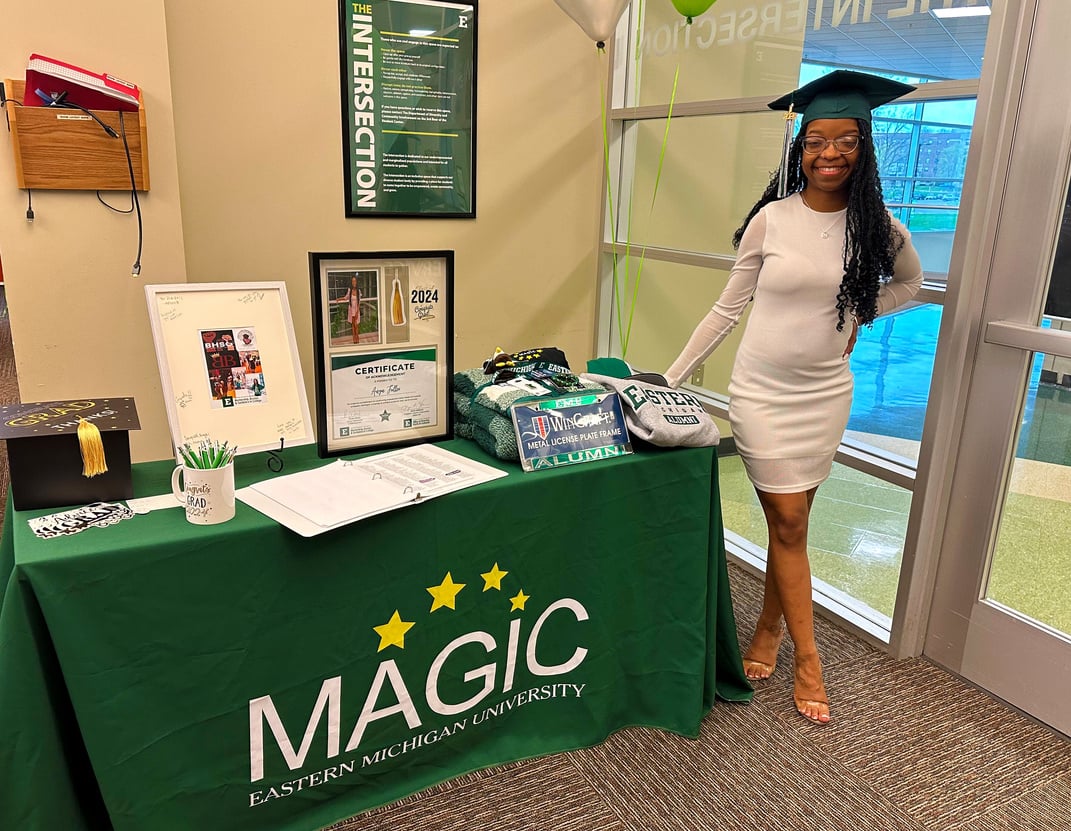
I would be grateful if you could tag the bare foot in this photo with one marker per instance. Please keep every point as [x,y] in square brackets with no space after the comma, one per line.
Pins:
[809,692]
[760,660]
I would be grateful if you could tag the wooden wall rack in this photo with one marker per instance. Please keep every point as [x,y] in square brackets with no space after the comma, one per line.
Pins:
[64,149]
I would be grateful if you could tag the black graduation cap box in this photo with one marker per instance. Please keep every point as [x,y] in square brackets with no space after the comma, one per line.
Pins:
[45,451]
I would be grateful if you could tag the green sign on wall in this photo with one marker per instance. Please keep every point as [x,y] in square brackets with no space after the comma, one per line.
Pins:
[408,107]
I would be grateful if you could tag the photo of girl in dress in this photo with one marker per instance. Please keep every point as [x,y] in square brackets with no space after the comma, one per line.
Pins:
[353,307]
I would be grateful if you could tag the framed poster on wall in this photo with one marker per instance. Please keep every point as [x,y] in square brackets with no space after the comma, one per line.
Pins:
[229,365]
[383,331]
[408,81]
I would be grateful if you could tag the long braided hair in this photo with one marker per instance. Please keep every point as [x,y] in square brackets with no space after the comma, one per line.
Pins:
[870,244]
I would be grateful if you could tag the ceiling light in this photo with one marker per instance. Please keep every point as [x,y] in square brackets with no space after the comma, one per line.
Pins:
[961,11]
[421,33]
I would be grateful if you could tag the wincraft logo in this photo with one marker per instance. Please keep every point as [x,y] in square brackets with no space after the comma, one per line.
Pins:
[549,423]
[541,426]
[520,648]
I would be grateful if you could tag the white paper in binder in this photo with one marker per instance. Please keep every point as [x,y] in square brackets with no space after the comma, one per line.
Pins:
[314,501]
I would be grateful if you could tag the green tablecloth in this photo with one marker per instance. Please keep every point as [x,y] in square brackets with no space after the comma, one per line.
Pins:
[160,675]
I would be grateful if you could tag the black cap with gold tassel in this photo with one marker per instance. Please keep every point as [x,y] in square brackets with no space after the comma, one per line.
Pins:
[69,452]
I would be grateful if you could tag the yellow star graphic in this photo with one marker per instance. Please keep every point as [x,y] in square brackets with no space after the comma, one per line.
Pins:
[392,633]
[493,579]
[445,593]
[518,601]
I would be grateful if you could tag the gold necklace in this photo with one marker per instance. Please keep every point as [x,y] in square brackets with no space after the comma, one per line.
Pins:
[824,233]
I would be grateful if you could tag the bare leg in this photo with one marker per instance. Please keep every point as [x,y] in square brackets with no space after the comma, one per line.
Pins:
[789,569]
[760,660]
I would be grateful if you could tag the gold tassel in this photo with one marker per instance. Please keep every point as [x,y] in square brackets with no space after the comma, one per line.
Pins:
[92,447]
[397,311]
[786,146]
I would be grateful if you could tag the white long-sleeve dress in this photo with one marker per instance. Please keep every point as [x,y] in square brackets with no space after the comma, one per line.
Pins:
[791,388]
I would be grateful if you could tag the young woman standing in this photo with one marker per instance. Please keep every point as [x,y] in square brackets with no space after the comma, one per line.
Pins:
[819,255]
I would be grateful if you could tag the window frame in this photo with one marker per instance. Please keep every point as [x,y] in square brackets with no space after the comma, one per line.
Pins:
[621,158]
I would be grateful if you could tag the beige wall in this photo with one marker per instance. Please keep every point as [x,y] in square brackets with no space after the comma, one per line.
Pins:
[255,126]
[78,318]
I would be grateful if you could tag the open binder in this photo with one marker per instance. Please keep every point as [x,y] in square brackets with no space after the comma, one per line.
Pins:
[315,501]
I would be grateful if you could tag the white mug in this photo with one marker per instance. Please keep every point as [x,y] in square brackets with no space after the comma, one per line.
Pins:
[207,494]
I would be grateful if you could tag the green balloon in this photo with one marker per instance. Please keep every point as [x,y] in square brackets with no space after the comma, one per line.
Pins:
[692,8]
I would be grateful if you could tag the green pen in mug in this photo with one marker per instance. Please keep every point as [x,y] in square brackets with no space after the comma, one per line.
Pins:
[207,454]
[204,482]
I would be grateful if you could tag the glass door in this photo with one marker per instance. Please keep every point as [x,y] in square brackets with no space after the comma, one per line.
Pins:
[1000,614]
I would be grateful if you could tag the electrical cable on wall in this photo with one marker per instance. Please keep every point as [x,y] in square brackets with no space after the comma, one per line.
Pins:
[135,270]
[60,100]
[135,203]
[4,100]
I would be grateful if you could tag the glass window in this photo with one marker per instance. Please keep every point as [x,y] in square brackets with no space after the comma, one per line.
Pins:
[670,300]
[755,47]
[931,233]
[893,365]
[715,167]
[1045,431]
[1058,302]
[1030,570]
[758,46]
[855,538]
[723,146]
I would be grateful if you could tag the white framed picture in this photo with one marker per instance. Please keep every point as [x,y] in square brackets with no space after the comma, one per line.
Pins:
[229,365]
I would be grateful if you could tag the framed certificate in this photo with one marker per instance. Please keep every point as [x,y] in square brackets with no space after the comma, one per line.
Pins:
[408,83]
[383,329]
[229,365]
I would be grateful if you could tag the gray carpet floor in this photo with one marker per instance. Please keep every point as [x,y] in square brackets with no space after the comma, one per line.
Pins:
[911,748]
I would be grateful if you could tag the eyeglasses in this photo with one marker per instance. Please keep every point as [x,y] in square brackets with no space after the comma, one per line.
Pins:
[813,145]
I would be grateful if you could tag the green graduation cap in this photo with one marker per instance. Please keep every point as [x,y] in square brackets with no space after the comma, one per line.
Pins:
[841,94]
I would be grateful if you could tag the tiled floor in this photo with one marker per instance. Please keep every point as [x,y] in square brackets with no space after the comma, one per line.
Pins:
[1032,562]
[857,533]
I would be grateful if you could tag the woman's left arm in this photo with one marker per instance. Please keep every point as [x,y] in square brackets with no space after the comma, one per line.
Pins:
[907,276]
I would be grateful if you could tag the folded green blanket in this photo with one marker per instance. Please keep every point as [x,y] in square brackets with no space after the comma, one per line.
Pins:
[498,441]
[467,381]
[483,417]
[492,431]
[482,409]
[462,405]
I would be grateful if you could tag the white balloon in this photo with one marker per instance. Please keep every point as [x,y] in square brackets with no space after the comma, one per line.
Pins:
[598,18]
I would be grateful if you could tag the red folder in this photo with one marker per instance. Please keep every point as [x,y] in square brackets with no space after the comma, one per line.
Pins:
[87,89]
